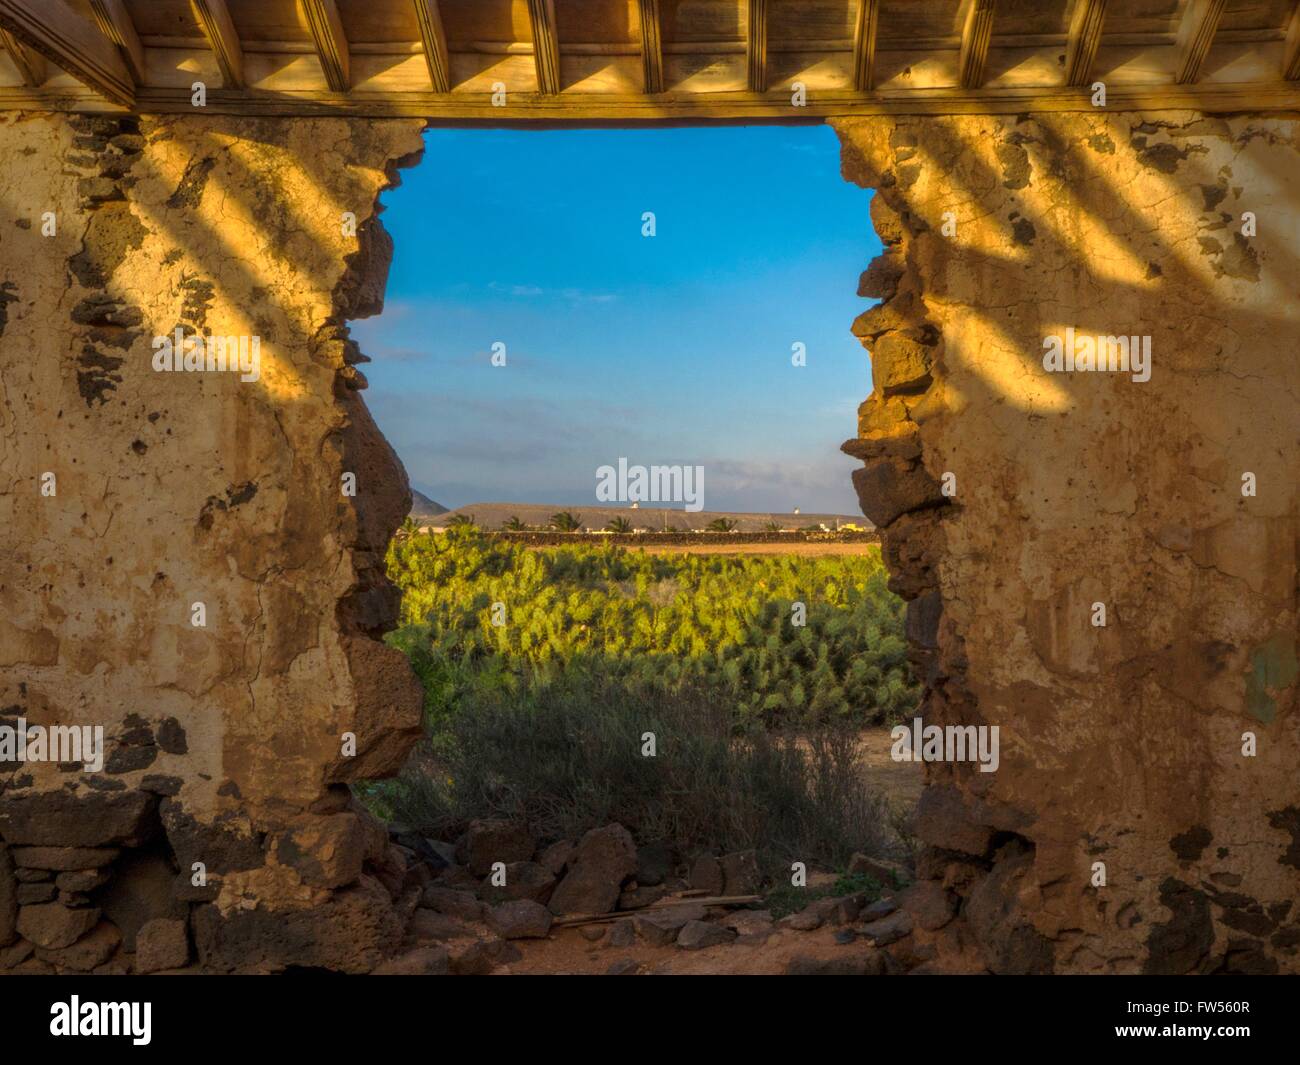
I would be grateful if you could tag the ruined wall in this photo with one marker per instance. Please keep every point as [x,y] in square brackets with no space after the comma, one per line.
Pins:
[225,741]
[1120,744]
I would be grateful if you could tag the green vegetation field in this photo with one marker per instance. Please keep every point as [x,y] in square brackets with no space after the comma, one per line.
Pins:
[722,623]
[542,717]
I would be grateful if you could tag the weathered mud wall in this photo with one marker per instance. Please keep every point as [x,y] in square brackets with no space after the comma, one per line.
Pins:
[1120,744]
[128,495]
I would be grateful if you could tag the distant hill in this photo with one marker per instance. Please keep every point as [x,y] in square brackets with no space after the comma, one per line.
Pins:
[424,507]
[653,519]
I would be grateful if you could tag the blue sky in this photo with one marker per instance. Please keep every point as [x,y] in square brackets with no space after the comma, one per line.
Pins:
[668,349]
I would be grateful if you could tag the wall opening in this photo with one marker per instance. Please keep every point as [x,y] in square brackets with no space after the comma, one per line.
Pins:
[696,686]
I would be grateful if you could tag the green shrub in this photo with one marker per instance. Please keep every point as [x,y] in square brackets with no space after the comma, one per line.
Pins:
[567,756]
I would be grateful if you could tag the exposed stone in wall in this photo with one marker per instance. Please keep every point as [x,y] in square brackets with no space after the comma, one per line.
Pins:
[1119,744]
[224,742]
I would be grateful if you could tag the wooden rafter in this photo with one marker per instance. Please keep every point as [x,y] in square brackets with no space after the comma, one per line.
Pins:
[652,47]
[57,32]
[1291,52]
[1195,35]
[756,45]
[322,18]
[30,65]
[977,32]
[435,44]
[214,19]
[546,45]
[864,45]
[1086,20]
[115,23]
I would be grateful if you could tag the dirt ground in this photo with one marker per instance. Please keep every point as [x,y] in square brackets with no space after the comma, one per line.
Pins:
[568,951]
[900,782]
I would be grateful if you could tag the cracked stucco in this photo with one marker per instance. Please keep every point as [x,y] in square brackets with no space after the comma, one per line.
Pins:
[1082,488]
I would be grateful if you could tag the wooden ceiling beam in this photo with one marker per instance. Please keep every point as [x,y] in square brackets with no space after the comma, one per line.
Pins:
[30,64]
[864,45]
[546,45]
[57,32]
[213,18]
[1086,21]
[1291,51]
[977,32]
[322,18]
[115,23]
[435,44]
[756,45]
[1195,35]
[652,47]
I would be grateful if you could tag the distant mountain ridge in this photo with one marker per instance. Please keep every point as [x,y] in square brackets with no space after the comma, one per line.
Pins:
[424,507]
[653,519]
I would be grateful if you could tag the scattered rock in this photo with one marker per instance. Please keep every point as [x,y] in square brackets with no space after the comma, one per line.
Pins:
[697,934]
[887,874]
[605,857]
[749,922]
[428,925]
[654,862]
[740,875]
[863,963]
[889,929]
[437,856]
[162,943]
[520,919]
[478,957]
[637,898]
[836,911]
[621,934]
[706,874]
[423,961]
[52,926]
[801,922]
[624,967]
[844,936]
[523,880]
[461,904]
[487,842]
[878,909]
[556,858]
[592,933]
[660,927]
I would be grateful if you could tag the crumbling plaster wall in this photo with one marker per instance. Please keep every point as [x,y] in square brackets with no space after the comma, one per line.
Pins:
[226,740]
[1120,744]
